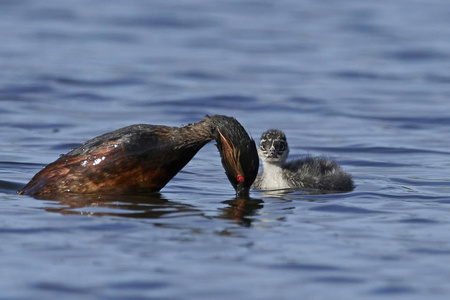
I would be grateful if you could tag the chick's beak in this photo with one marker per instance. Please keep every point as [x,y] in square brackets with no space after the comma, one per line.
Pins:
[272,153]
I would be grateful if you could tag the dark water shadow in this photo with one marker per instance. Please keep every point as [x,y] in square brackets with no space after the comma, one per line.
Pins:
[150,206]
[147,206]
[241,210]
[9,187]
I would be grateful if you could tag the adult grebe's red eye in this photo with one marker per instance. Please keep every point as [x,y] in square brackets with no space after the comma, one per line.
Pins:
[240,178]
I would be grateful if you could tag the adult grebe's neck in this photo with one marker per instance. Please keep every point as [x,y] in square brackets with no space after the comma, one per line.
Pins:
[192,133]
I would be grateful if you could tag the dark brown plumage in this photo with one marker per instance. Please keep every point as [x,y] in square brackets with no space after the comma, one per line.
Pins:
[139,158]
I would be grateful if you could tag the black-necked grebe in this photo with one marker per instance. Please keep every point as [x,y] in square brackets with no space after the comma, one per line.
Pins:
[308,172]
[144,158]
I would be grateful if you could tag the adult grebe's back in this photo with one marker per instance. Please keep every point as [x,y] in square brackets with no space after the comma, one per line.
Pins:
[143,158]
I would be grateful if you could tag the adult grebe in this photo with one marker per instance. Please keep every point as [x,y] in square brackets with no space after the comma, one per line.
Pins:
[309,172]
[144,158]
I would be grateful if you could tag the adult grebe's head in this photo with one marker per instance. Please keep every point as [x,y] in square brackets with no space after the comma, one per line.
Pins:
[238,152]
[273,147]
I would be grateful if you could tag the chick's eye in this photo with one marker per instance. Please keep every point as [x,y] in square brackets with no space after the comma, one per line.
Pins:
[281,146]
[263,146]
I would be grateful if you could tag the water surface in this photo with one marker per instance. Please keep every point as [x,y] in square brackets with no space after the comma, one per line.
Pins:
[365,83]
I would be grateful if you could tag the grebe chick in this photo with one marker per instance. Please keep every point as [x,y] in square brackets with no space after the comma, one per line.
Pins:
[309,172]
[144,158]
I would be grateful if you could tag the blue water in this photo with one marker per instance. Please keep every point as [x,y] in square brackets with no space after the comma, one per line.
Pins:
[364,82]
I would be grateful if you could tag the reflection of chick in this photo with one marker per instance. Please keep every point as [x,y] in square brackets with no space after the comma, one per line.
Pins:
[309,172]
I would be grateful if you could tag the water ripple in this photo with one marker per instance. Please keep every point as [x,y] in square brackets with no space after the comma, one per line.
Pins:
[345,209]
[416,55]
[94,82]
[377,150]
[306,267]
[362,81]
[18,89]
[167,21]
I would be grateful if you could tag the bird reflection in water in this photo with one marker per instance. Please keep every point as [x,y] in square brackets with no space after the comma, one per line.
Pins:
[240,209]
[149,206]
